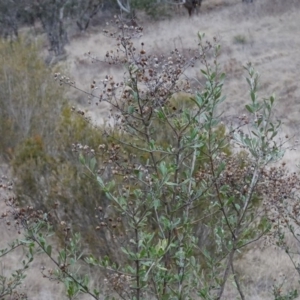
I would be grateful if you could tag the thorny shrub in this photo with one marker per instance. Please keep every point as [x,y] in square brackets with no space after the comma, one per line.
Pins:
[184,193]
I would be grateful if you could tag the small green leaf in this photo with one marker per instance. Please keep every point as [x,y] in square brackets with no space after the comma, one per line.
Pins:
[192,260]
[81,159]
[171,183]
[249,108]
[131,109]
[230,200]
[204,73]
[100,181]
[92,164]
[253,96]
[124,250]
[49,250]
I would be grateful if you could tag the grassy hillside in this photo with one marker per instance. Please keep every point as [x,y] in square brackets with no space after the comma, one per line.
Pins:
[265,33]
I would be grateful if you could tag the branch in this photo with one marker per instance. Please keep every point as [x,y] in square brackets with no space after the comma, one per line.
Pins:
[126,9]
[237,282]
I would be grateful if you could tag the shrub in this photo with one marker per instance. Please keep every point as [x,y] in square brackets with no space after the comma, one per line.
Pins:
[183,193]
[177,193]
[240,39]
[29,101]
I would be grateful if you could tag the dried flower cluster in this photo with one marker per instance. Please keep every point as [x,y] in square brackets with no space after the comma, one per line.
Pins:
[119,283]
[21,217]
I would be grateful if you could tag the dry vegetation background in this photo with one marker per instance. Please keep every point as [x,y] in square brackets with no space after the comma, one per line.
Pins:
[267,33]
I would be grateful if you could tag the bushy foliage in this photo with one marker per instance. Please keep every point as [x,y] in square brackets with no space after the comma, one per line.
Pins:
[48,175]
[167,195]
[37,131]
[29,101]
[182,193]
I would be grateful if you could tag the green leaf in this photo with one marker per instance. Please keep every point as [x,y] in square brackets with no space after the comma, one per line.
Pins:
[162,168]
[230,200]
[91,260]
[204,73]
[201,35]
[249,108]
[124,251]
[223,76]
[171,183]
[237,206]
[62,255]
[249,82]
[253,96]
[81,159]
[221,167]
[161,114]
[131,110]
[92,164]
[192,260]
[49,250]
[274,134]
[156,203]
[100,181]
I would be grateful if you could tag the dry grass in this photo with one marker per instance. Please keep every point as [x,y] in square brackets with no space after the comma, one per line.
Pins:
[265,33]
[268,29]
[260,269]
